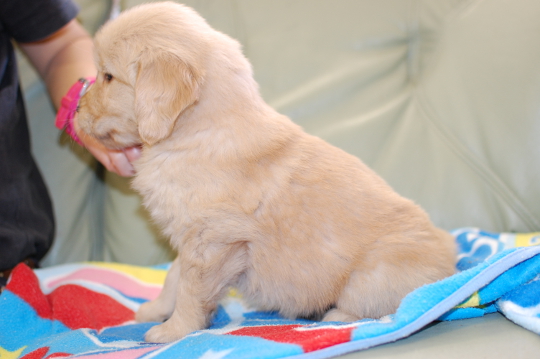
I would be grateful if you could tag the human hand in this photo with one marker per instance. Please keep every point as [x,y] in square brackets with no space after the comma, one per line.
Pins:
[61,59]
[117,161]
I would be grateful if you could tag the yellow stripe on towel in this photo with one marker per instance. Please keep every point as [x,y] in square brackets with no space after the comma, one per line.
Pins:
[473,301]
[144,274]
[6,354]
[527,239]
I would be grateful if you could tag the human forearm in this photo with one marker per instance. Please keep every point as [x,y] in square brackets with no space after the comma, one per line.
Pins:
[62,58]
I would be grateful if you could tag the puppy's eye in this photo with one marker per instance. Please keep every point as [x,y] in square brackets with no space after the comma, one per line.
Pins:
[107,77]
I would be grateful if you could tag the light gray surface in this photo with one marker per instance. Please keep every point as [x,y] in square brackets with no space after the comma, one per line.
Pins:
[492,336]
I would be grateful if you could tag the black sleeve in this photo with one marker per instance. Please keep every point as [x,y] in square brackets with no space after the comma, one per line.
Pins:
[33,20]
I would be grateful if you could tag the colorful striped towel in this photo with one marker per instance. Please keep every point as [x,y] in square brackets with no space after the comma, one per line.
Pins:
[87,309]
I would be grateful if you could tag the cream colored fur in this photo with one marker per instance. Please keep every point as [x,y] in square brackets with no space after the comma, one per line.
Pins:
[247,198]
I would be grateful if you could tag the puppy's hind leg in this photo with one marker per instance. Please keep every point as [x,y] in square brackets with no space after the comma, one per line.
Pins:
[372,294]
[161,308]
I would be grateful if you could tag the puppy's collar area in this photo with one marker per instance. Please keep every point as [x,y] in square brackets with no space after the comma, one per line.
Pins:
[69,105]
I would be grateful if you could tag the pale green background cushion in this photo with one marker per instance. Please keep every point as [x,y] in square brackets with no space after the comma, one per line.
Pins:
[441,98]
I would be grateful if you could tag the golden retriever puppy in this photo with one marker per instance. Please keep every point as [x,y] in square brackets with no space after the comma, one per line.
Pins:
[247,198]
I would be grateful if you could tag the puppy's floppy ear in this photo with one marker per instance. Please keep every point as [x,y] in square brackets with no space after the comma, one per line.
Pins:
[165,86]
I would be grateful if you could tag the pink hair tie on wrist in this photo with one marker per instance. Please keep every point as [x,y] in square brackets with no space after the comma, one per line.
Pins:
[69,104]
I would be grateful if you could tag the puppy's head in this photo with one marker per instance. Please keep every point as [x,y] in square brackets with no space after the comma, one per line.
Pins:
[150,68]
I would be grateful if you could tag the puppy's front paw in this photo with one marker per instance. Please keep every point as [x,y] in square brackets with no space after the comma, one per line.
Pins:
[165,333]
[151,312]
